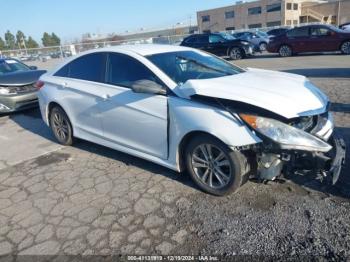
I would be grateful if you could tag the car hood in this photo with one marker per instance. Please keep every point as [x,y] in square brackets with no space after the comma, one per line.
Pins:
[20,78]
[285,94]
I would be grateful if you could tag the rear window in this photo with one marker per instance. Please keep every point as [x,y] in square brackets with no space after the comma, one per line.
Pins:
[298,32]
[11,65]
[89,67]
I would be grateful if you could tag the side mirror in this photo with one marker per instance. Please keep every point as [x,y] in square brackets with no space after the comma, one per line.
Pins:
[148,87]
[33,67]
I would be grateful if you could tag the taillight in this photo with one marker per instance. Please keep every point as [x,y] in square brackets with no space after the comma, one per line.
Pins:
[39,84]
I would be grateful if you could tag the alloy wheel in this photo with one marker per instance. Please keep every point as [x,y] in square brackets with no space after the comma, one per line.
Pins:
[235,54]
[60,126]
[345,48]
[285,51]
[211,165]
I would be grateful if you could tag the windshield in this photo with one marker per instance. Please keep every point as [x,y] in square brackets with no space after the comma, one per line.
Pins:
[228,36]
[10,66]
[186,65]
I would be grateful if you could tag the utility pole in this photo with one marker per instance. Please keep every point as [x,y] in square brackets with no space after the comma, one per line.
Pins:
[24,44]
[338,16]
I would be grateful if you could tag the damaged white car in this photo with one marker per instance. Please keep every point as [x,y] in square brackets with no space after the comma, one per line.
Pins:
[187,110]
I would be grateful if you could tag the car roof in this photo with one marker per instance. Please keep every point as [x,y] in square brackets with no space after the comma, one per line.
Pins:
[144,49]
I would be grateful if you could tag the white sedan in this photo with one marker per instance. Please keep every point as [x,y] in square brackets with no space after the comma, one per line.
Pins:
[187,110]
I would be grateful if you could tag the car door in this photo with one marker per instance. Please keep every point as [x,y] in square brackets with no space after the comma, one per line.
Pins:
[217,45]
[323,39]
[137,121]
[299,39]
[78,83]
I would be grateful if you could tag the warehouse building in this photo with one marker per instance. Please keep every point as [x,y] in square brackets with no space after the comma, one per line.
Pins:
[269,13]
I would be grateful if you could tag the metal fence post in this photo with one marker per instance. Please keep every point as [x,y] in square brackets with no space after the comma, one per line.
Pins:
[61,51]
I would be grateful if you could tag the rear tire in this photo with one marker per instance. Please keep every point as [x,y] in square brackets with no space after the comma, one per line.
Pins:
[285,51]
[61,126]
[214,167]
[236,53]
[345,48]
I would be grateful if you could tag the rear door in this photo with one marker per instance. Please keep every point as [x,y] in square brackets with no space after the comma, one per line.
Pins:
[79,89]
[299,40]
[217,45]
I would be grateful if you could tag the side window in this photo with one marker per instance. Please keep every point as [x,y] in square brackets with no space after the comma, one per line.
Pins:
[215,39]
[191,40]
[298,32]
[203,39]
[88,67]
[124,70]
[319,31]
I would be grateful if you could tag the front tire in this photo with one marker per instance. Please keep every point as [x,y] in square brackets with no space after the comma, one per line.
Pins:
[214,167]
[285,51]
[236,53]
[61,126]
[345,48]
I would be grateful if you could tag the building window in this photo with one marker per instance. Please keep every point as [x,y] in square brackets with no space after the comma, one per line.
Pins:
[295,22]
[273,8]
[205,18]
[254,26]
[289,6]
[295,6]
[229,14]
[274,23]
[289,22]
[206,31]
[254,10]
[230,28]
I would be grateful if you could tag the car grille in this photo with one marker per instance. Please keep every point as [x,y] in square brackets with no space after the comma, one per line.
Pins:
[21,89]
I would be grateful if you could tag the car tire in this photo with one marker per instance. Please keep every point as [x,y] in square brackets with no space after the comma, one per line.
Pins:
[263,46]
[235,53]
[214,167]
[61,126]
[345,48]
[285,51]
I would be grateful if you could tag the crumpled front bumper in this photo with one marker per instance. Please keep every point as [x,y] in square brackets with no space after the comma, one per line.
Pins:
[11,103]
[338,160]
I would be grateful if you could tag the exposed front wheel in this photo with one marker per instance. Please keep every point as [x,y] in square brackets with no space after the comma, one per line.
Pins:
[345,48]
[61,126]
[236,53]
[285,51]
[214,167]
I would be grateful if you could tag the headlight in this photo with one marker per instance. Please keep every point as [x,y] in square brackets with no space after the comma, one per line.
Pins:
[4,91]
[287,136]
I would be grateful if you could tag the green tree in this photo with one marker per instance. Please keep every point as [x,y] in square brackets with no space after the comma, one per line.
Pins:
[55,39]
[2,44]
[20,39]
[10,40]
[31,43]
[46,39]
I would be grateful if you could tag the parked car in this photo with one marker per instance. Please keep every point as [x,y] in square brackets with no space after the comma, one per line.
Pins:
[17,89]
[220,45]
[312,38]
[277,31]
[257,39]
[188,110]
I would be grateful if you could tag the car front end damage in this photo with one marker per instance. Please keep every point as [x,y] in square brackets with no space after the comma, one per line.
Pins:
[306,145]
[15,98]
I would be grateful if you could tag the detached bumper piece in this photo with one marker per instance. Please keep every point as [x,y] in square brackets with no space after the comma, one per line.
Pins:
[321,165]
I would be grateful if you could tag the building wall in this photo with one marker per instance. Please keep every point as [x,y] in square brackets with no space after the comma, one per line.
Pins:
[286,16]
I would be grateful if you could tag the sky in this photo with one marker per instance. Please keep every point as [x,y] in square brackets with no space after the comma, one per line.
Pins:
[69,19]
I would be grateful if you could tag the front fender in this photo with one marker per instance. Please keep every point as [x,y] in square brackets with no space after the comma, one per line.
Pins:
[188,116]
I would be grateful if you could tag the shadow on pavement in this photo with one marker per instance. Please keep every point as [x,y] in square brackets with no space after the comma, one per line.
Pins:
[340,107]
[321,72]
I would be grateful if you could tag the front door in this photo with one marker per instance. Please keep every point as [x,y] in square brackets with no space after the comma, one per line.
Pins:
[134,120]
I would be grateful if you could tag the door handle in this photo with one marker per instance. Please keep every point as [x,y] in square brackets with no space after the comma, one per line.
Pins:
[106,97]
[64,85]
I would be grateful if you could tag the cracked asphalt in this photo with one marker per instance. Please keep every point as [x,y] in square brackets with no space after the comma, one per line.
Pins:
[90,200]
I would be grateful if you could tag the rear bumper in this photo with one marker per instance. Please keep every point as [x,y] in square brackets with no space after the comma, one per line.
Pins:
[12,103]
